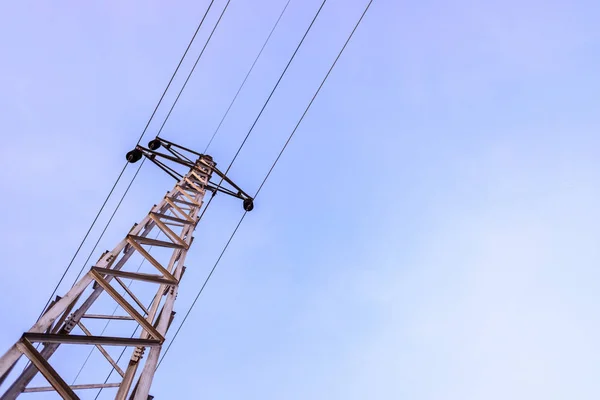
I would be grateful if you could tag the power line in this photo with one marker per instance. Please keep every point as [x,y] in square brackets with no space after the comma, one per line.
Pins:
[160,130]
[267,175]
[275,87]
[121,174]
[229,167]
[314,97]
[116,362]
[82,242]
[113,313]
[131,336]
[142,163]
[244,141]
[201,289]
[238,92]
[270,94]
[106,226]
[247,75]
[224,116]
[193,68]
[233,160]
[185,84]
[125,166]
[265,180]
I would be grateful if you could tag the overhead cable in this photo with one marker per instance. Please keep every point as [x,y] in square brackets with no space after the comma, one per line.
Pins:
[249,132]
[268,99]
[246,77]
[264,181]
[275,87]
[159,131]
[112,314]
[125,166]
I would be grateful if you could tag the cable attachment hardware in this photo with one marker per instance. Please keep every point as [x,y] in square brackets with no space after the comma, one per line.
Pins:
[138,354]
[203,165]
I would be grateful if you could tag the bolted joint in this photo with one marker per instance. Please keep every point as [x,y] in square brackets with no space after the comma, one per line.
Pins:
[69,324]
[171,318]
[107,258]
[102,256]
[138,354]
[133,227]
[168,290]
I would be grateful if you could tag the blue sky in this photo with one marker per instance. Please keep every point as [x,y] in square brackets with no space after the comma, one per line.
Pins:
[430,233]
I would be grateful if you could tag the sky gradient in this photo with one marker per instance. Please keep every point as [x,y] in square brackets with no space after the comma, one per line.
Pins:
[430,233]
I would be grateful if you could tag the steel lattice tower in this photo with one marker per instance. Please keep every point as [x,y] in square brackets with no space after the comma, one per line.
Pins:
[174,220]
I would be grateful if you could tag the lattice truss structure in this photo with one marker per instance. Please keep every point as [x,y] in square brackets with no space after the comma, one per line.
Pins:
[160,242]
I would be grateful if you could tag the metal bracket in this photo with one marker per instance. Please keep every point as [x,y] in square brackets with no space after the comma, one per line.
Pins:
[178,156]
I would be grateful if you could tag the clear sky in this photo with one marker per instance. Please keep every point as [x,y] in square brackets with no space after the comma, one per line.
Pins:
[431,232]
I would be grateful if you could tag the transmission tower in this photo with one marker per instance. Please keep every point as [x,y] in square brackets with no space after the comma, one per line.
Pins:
[174,220]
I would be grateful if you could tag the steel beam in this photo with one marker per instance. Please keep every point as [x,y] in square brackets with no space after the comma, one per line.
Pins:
[73,387]
[44,367]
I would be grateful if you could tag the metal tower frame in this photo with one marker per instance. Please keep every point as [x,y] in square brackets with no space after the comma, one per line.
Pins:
[175,219]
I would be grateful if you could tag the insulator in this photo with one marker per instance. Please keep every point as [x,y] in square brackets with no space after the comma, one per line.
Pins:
[134,155]
[248,204]
[154,144]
